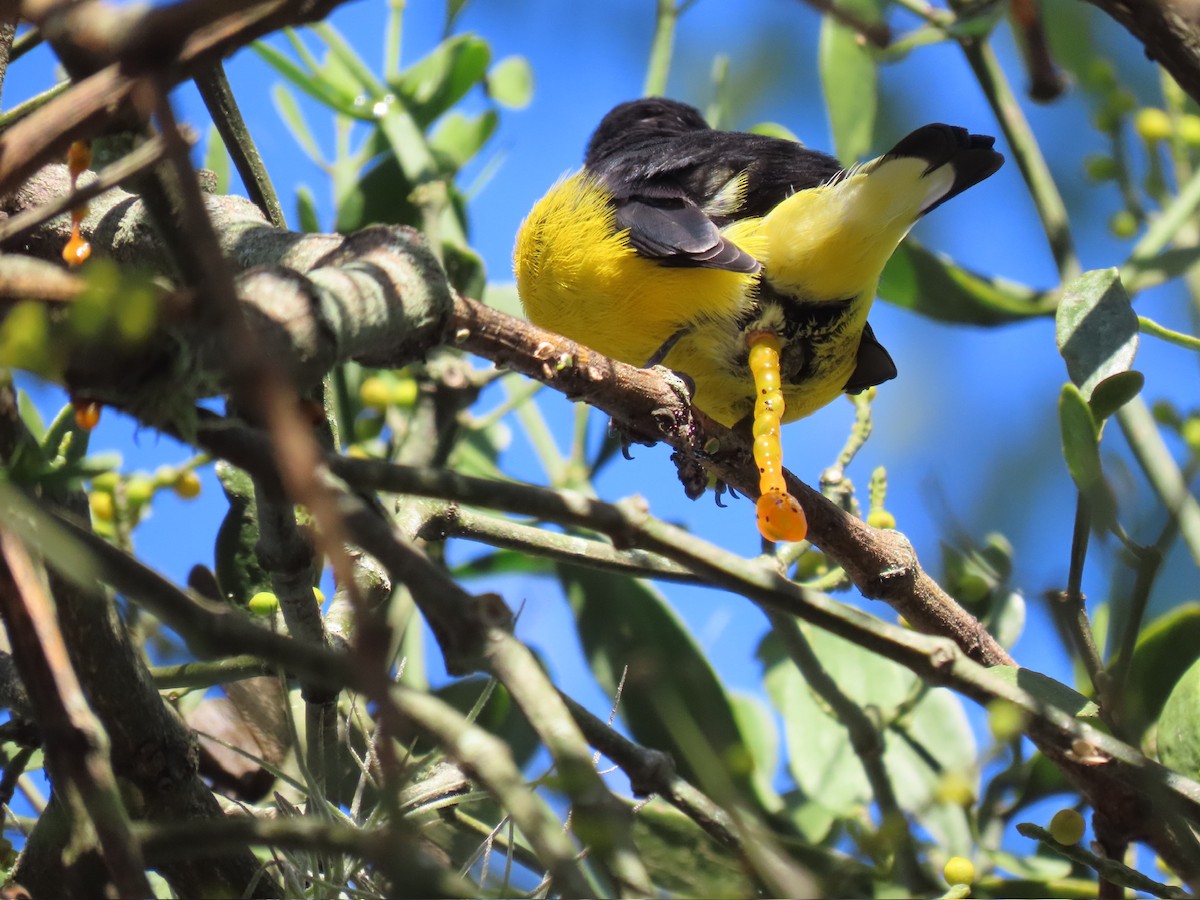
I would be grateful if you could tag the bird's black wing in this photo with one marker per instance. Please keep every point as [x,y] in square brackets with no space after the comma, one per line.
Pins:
[675,182]
[674,231]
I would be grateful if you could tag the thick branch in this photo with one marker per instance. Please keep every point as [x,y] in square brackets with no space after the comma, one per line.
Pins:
[1169,32]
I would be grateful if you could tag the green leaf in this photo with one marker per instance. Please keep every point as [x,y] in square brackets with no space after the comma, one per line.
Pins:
[505,298]
[32,418]
[1165,649]
[756,722]
[1096,328]
[358,73]
[1047,690]
[1006,621]
[306,210]
[316,86]
[673,700]
[478,449]
[454,9]
[239,574]
[849,79]
[408,143]
[1141,274]
[932,285]
[811,819]
[499,716]
[1081,450]
[510,82]
[457,138]
[293,118]
[1179,726]
[464,269]
[383,195]
[1115,391]
[931,738]
[775,130]
[682,859]
[503,562]
[1031,866]
[433,84]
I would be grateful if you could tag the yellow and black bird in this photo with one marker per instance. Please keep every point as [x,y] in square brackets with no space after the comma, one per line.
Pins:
[679,244]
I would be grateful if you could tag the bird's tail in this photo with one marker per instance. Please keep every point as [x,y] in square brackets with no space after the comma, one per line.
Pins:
[970,157]
[832,241]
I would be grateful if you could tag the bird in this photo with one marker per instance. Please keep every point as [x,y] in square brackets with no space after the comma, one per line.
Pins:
[680,244]
[676,240]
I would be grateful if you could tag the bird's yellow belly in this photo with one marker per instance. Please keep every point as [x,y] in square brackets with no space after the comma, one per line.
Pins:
[715,358]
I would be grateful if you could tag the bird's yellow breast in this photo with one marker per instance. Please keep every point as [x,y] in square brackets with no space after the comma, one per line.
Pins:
[578,275]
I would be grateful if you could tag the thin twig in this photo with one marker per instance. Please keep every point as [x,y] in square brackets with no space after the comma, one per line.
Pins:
[222,106]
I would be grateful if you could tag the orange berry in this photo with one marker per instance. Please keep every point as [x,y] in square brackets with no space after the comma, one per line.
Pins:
[87,414]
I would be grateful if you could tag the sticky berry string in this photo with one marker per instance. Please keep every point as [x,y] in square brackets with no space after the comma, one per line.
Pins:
[75,253]
[77,250]
[780,517]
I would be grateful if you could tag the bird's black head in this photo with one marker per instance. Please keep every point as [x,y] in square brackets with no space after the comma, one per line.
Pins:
[638,120]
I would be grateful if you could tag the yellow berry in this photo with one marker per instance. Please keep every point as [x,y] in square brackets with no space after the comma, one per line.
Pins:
[264,603]
[959,870]
[881,518]
[404,393]
[1190,431]
[102,505]
[105,481]
[1152,125]
[1067,826]
[187,485]
[1189,129]
[320,597]
[375,392]
[955,789]
[1005,719]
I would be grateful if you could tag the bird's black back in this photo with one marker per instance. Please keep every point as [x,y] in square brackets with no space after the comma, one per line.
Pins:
[657,149]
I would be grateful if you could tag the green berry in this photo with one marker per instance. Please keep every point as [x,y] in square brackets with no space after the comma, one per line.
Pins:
[1005,719]
[1067,827]
[1123,224]
[881,518]
[138,490]
[368,426]
[1164,412]
[1100,76]
[106,481]
[1100,167]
